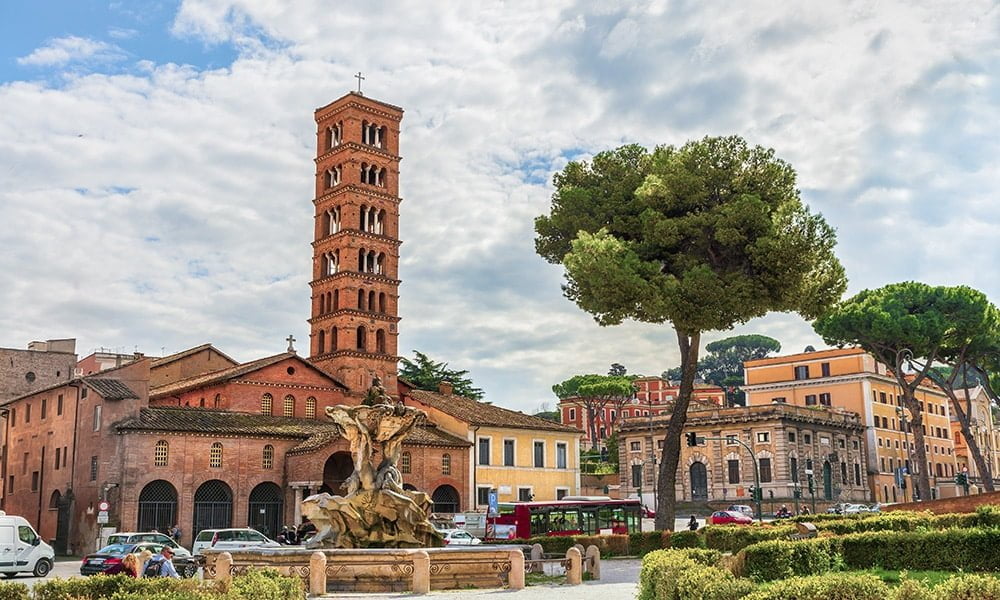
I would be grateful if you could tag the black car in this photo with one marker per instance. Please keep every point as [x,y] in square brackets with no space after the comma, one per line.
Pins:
[109,556]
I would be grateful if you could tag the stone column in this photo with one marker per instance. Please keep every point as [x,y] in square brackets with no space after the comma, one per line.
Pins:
[297,506]
[515,580]
[574,567]
[223,568]
[317,574]
[593,557]
[421,572]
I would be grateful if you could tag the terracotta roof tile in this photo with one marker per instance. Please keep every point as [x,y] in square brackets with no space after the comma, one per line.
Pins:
[480,413]
[314,433]
[165,360]
[109,388]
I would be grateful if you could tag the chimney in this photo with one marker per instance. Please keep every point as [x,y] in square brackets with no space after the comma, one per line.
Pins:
[138,355]
[445,388]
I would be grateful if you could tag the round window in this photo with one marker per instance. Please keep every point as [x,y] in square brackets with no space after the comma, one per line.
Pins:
[291,370]
[29,376]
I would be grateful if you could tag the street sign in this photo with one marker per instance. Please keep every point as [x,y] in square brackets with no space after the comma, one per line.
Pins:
[103,506]
[102,517]
[494,506]
[809,471]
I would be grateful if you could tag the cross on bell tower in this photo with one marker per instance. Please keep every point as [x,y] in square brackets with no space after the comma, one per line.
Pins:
[355,285]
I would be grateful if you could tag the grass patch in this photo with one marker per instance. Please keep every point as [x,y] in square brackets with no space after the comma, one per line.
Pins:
[928,578]
[543,579]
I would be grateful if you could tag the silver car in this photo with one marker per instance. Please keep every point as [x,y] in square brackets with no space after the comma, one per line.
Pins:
[231,539]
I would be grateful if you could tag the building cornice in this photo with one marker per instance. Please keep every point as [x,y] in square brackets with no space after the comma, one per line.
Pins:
[832,380]
[356,313]
[369,278]
[359,147]
[364,190]
[357,233]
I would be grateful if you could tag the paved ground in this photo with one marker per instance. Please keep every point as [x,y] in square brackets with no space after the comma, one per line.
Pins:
[64,567]
[618,582]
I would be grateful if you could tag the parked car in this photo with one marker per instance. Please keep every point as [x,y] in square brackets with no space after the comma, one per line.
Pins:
[113,554]
[459,537]
[836,509]
[729,517]
[741,508]
[231,539]
[23,551]
[131,537]
[649,514]
[853,509]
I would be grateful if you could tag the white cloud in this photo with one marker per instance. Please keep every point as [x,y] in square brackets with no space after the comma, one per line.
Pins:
[61,51]
[196,217]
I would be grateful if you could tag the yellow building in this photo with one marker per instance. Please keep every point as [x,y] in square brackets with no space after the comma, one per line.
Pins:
[520,456]
[987,433]
[853,380]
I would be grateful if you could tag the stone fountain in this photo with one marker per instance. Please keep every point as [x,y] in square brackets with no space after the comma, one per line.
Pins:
[378,537]
[376,512]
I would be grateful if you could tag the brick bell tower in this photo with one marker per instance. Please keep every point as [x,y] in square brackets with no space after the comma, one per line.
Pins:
[355,283]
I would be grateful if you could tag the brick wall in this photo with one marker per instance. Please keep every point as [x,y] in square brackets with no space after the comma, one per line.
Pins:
[205,361]
[959,504]
[25,371]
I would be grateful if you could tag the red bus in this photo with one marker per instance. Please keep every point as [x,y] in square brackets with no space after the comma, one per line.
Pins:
[573,515]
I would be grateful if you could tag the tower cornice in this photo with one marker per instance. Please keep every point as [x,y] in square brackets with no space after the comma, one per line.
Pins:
[359,189]
[347,232]
[356,313]
[369,278]
[360,147]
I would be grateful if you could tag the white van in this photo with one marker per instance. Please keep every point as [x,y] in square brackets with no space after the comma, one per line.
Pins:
[21,550]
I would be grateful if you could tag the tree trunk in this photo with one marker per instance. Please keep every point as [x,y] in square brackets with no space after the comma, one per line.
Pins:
[667,477]
[591,424]
[970,439]
[922,480]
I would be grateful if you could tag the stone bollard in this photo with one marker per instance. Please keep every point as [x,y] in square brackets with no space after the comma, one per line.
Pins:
[317,574]
[421,572]
[515,580]
[574,567]
[593,561]
[580,548]
[537,555]
[223,568]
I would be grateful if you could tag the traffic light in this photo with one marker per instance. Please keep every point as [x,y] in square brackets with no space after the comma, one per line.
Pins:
[798,493]
[812,489]
[692,438]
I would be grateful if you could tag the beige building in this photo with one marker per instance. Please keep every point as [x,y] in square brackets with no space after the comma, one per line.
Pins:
[787,441]
[851,379]
[985,428]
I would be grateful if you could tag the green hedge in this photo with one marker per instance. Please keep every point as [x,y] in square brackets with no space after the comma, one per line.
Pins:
[842,586]
[633,544]
[683,574]
[949,550]
[14,591]
[733,538]
[263,584]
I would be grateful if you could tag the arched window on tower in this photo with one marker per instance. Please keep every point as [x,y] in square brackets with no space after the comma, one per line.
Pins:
[267,457]
[381,223]
[332,263]
[381,302]
[334,135]
[379,266]
[265,404]
[361,299]
[380,341]
[333,220]
[333,176]
[371,263]
[310,408]
[321,342]
[363,218]
[336,300]
[405,463]
[161,453]
[322,304]
[289,407]
[362,257]
[215,456]
[371,301]
[333,339]
[362,338]
[218,400]
[379,178]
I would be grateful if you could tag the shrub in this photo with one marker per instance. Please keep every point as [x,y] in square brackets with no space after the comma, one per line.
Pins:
[949,550]
[778,559]
[641,544]
[686,539]
[910,589]
[837,586]
[14,591]
[711,583]
[968,587]
[733,538]
[988,515]
[685,574]
[266,584]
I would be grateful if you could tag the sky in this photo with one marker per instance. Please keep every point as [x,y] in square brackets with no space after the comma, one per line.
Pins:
[156,170]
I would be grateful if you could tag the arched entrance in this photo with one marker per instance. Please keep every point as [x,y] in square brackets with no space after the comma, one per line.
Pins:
[699,481]
[827,481]
[61,504]
[336,471]
[445,499]
[157,506]
[213,506]
[265,509]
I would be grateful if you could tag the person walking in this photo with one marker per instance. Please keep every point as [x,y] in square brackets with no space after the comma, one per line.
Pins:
[693,523]
[162,565]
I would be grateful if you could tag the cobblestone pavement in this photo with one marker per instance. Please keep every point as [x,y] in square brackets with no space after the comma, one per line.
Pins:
[619,581]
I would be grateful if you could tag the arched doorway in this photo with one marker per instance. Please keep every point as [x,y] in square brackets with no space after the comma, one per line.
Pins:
[157,506]
[336,471]
[61,504]
[213,506]
[265,510]
[445,499]
[699,481]
[827,481]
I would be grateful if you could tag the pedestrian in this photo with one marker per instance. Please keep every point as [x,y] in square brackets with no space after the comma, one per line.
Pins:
[144,557]
[128,566]
[162,565]
[805,510]
[693,523]
[283,536]
[175,533]
[291,538]
[305,529]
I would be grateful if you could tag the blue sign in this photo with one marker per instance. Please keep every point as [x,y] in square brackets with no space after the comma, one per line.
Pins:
[494,506]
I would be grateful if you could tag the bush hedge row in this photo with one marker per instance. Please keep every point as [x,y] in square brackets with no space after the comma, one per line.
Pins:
[263,584]
[948,550]
[694,575]
[633,544]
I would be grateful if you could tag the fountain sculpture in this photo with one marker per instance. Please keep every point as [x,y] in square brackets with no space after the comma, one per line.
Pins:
[376,512]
